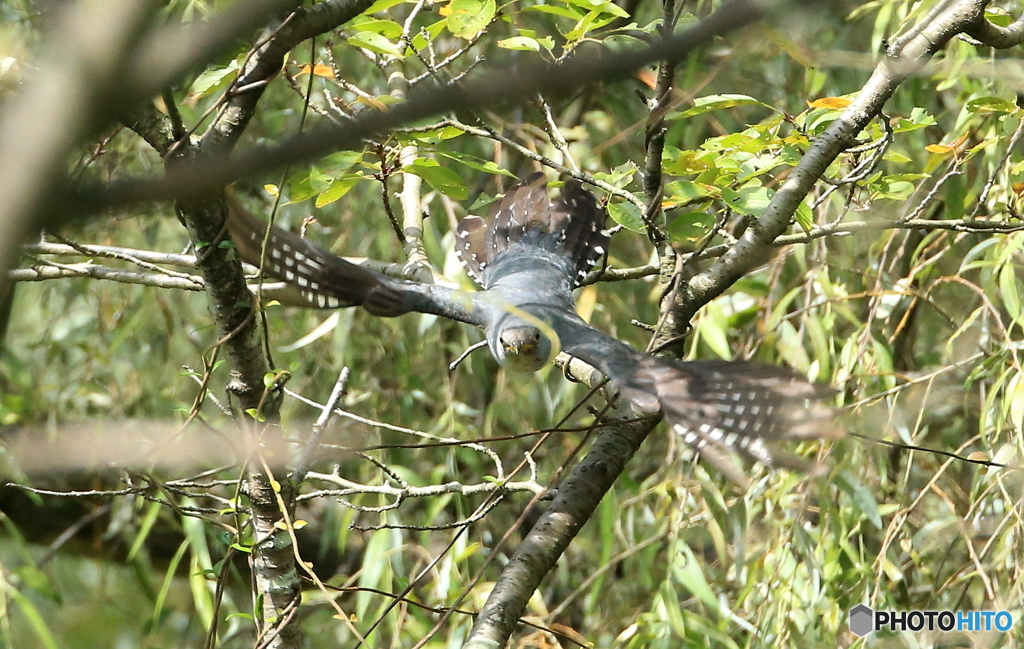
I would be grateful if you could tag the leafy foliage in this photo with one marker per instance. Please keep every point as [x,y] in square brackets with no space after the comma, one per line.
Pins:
[892,284]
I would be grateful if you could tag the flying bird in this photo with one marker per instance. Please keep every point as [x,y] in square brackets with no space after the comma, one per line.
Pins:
[527,257]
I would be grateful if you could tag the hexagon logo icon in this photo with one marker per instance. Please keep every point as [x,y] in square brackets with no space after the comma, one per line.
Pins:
[862,620]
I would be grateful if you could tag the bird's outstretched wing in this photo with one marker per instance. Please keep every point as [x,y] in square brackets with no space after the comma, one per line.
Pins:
[718,407]
[325,280]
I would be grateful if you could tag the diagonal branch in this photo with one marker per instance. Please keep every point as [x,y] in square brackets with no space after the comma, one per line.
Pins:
[909,56]
[499,87]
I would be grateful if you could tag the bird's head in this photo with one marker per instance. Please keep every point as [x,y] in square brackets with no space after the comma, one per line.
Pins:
[522,347]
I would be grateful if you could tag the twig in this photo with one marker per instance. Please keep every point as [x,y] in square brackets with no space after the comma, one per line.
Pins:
[313,443]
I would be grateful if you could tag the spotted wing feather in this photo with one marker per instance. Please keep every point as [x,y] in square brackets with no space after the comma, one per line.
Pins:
[322,279]
[471,247]
[718,408]
[741,407]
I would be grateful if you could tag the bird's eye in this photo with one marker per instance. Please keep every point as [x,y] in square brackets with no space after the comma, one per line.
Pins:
[535,336]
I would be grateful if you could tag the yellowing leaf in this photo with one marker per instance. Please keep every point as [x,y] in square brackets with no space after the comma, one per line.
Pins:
[647,77]
[830,102]
[940,149]
[319,70]
[271,189]
[322,70]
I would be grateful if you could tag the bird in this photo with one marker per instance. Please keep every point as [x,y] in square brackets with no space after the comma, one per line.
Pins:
[528,257]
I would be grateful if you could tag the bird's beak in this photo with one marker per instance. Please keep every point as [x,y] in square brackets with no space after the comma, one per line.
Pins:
[522,348]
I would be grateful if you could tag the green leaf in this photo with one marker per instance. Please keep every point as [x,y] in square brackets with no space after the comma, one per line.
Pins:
[1008,290]
[804,216]
[440,178]
[990,105]
[897,190]
[628,216]
[557,10]
[300,188]
[587,24]
[520,43]
[748,200]
[998,17]
[602,6]
[918,119]
[33,617]
[381,5]
[683,192]
[620,176]
[690,227]
[482,201]
[320,180]
[212,78]
[38,581]
[686,569]
[338,188]
[386,28]
[1015,392]
[863,500]
[469,17]
[340,161]
[486,166]
[716,102]
[895,157]
[376,43]
[713,326]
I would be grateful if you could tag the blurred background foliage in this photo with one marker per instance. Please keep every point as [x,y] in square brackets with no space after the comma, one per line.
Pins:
[918,329]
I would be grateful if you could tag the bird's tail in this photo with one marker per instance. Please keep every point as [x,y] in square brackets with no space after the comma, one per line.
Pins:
[571,225]
[321,278]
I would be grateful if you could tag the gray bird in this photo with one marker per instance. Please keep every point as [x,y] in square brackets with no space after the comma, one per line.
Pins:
[528,257]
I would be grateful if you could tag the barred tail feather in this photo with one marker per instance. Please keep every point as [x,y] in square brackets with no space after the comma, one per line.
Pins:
[573,226]
[583,235]
[524,210]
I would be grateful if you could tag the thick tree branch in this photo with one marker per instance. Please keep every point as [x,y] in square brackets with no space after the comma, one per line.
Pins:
[94,73]
[496,87]
[578,496]
[266,62]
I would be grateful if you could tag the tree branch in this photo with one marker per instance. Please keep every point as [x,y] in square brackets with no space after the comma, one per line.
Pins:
[750,250]
[496,87]
[577,498]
